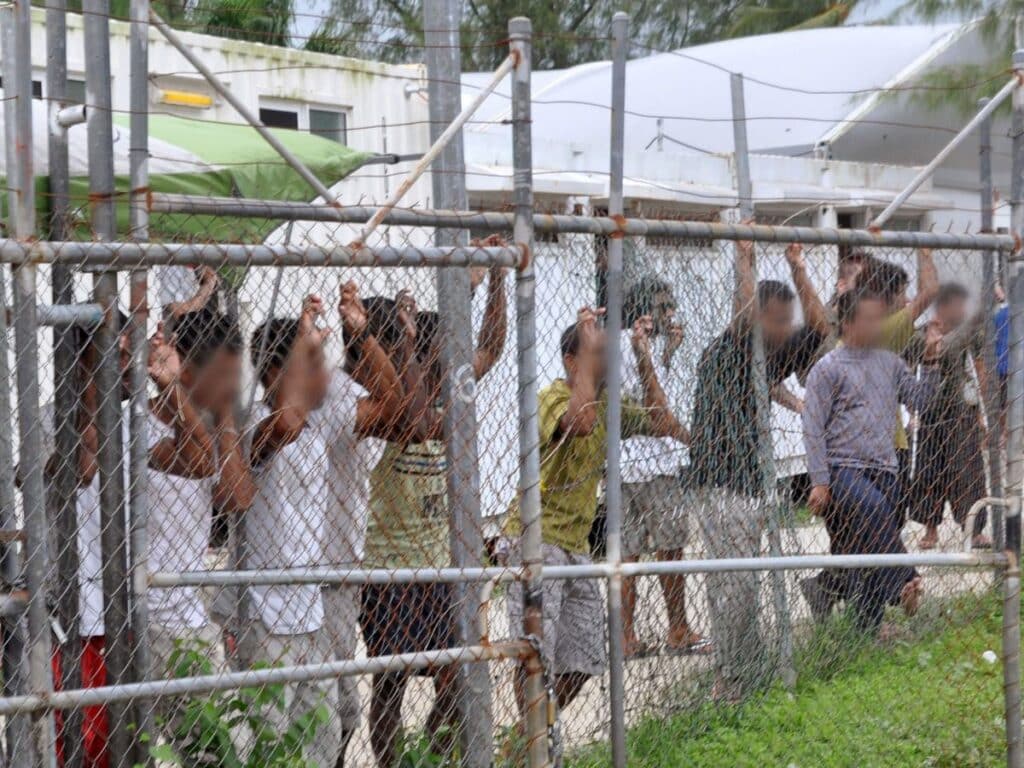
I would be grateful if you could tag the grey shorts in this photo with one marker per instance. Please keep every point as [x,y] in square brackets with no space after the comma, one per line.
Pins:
[341,630]
[655,516]
[574,613]
[258,646]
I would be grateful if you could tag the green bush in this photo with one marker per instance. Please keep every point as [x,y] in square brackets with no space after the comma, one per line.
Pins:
[202,731]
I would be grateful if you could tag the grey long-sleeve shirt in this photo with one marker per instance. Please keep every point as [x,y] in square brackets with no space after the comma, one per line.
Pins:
[847,418]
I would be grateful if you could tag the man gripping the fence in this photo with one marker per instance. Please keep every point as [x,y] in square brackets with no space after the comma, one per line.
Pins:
[726,469]
[573,436]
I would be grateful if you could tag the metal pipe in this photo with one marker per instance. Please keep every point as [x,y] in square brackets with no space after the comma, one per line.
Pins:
[17,32]
[57,144]
[762,398]
[129,255]
[454,129]
[1015,447]
[110,456]
[63,485]
[925,173]
[442,24]
[500,574]
[229,96]
[138,454]
[66,315]
[17,730]
[990,279]
[567,224]
[613,326]
[972,514]
[520,34]
[256,678]
[66,117]
[33,501]
[333,576]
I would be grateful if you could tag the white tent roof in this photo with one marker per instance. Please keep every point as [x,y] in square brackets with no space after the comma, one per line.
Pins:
[799,84]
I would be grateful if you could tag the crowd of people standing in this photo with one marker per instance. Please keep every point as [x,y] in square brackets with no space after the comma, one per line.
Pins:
[345,467]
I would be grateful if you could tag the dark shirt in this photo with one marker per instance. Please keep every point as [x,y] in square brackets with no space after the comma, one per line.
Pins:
[959,351]
[724,440]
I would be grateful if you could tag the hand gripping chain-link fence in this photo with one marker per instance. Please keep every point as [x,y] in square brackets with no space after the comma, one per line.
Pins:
[348,496]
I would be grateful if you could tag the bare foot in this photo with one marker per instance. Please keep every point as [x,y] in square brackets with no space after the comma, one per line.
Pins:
[930,539]
[910,596]
[725,693]
[634,648]
[686,641]
[890,633]
[981,541]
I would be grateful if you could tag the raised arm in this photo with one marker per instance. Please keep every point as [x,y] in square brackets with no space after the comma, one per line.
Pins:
[815,315]
[380,413]
[288,419]
[207,286]
[419,419]
[663,422]
[816,413]
[581,412]
[494,327]
[745,291]
[190,452]
[927,283]
[235,488]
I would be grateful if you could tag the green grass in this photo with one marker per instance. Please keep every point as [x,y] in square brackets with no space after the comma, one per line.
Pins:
[931,701]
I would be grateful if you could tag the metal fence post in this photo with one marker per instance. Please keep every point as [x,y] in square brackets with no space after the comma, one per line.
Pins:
[613,326]
[138,456]
[62,487]
[520,32]
[990,278]
[444,67]
[17,735]
[110,459]
[766,458]
[17,71]
[1015,450]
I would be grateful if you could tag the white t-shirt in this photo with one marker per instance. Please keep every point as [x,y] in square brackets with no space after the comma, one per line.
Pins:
[284,528]
[350,461]
[645,458]
[180,515]
[87,509]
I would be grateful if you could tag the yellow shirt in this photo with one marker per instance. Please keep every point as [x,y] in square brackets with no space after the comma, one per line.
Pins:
[571,468]
[897,331]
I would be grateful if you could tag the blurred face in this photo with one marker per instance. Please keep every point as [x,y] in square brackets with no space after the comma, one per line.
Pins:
[776,322]
[864,330]
[951,314]
[215,385]
[663,312]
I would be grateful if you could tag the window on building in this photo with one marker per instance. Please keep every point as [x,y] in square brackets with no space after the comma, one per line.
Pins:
[279,118]
[328,123]
[75,91]
[37,88]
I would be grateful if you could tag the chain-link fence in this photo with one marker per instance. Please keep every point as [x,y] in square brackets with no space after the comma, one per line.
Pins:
[341,496]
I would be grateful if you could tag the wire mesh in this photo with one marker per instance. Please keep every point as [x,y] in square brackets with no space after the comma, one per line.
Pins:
[359,482]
